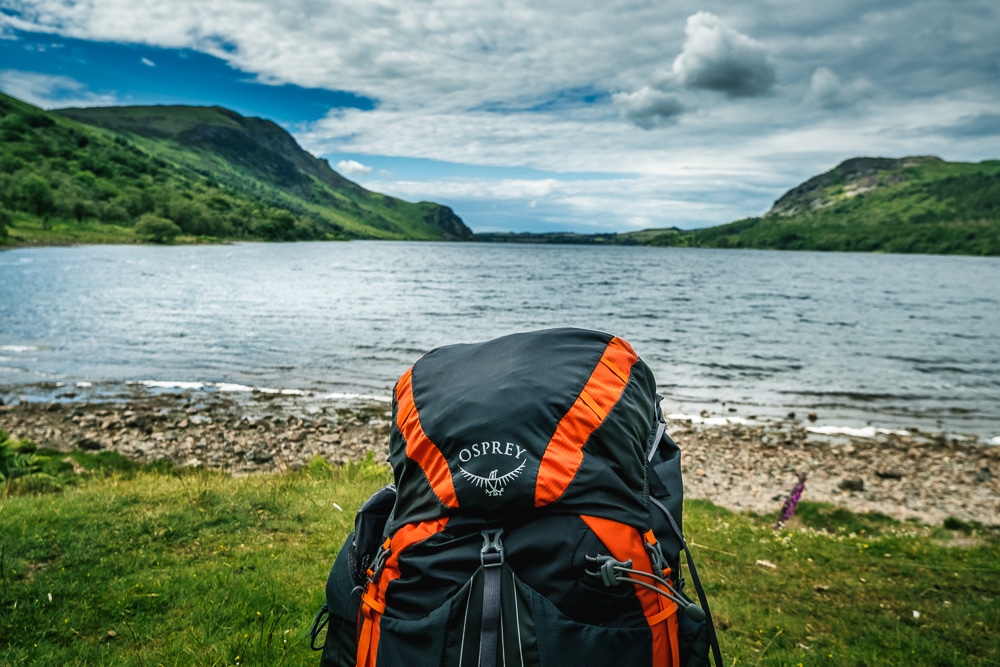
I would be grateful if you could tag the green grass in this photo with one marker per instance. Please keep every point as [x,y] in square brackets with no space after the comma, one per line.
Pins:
[845,587]
[161,567]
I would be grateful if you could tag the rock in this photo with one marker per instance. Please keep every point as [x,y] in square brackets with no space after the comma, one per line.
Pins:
[259,456]
[856,484]
[812,416]
[88,443]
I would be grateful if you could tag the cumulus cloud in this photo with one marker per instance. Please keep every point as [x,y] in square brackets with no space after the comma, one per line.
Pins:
[648,108]
[720,59]
[50,91]
[829,92]
[353,168]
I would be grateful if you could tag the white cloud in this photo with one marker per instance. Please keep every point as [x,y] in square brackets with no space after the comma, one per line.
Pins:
[720,59]
[148,63]
[826,90]
[595,204]
[49,91]
[649,108]
[353,168]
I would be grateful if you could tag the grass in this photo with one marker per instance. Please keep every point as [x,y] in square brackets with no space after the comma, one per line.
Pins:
[134,566]
[173,568]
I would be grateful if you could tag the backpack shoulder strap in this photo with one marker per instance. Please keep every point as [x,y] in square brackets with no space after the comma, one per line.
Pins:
[702,599]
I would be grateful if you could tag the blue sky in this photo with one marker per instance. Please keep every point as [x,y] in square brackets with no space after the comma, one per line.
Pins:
[565,115]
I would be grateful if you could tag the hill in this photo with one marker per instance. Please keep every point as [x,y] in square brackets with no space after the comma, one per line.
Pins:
[121,174]
[907,205]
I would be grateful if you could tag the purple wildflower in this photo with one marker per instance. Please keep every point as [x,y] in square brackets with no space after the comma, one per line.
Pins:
[788,509]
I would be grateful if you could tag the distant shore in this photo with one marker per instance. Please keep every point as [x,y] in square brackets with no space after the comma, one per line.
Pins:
[745,467]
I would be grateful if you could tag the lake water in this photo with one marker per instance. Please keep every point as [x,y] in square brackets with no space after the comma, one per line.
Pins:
[890,340]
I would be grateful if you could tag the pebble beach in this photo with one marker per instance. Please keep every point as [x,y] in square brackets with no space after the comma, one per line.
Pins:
[738,464]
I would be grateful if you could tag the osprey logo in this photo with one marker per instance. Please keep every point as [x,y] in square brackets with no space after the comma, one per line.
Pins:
[493,483]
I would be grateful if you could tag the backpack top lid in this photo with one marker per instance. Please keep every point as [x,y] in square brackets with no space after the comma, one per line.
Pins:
[557,418]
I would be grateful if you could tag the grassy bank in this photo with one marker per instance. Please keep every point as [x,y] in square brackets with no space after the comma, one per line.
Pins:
[159,567]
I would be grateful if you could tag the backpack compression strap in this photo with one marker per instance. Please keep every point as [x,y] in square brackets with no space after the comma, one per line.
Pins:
[626,544]
[383,572]
[564,453]
[419,447]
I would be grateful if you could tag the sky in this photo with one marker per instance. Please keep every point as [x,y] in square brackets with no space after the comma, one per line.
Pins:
[567,115]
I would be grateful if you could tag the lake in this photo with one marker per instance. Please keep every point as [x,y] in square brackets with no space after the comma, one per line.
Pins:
[894,341]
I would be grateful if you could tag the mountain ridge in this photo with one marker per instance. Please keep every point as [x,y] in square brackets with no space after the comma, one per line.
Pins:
[197,172]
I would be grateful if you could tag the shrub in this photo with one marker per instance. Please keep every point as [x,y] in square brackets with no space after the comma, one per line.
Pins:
[36,195]
[156,229]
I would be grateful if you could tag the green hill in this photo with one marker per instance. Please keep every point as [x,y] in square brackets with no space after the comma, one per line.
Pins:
[907,205]
[121,174]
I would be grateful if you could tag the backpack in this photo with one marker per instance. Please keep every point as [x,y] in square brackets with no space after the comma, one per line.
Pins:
[535,518]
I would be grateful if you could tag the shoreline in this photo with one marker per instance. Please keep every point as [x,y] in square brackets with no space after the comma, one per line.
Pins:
[749,466]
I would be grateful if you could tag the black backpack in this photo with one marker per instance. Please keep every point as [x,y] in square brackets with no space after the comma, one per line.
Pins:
[535,518]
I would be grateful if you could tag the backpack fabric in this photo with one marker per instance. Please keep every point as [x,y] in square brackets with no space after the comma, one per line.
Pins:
[535,517]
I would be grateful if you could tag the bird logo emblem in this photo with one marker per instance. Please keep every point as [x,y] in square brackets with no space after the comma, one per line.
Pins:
[494,485]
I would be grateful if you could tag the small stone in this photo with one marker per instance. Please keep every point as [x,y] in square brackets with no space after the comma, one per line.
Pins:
[856,484]
[88,443]
[812,416]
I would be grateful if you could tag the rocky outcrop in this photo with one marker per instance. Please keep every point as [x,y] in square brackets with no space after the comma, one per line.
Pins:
[450,224]
[856,176]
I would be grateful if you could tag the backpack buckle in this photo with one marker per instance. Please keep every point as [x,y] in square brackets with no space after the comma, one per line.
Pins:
[492,553]
[375,571]
[656,557]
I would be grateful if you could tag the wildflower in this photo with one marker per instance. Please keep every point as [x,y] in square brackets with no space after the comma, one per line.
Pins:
[788,509]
